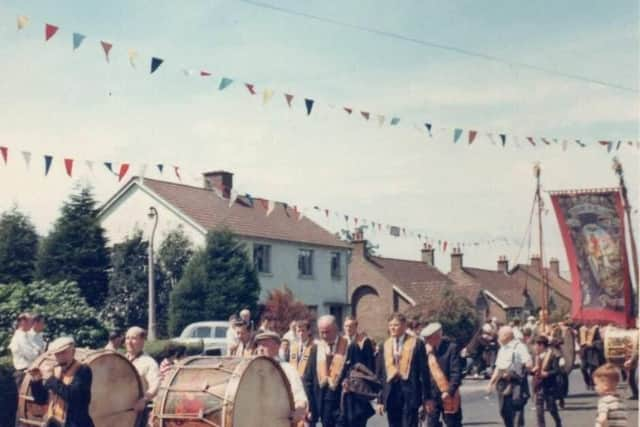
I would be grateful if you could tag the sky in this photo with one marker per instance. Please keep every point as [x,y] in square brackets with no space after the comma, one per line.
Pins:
[74,104]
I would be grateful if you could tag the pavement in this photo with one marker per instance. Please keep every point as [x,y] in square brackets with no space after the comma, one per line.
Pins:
[480,409]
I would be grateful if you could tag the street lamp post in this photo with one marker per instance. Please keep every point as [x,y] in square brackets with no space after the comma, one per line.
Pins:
[151,327]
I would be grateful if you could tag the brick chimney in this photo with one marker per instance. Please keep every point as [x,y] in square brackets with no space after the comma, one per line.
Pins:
[359,244]
[503,264]
[536,263]
[456,260]
[554,266]
[221,180]
[428,255]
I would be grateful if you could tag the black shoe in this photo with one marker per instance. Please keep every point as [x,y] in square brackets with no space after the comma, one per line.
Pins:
[634,397]
[561,403]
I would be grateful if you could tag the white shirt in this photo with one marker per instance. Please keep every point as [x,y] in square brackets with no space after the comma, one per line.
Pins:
[289,336]
[517,334]
[22,349]
[37,338]
[149,373]
[297,389]
[513,356]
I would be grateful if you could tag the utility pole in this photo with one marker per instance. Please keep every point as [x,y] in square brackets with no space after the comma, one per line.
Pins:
[151,327]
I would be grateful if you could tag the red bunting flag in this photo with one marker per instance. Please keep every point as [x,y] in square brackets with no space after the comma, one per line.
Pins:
[348,110]
[289,98]
[176,169]
[204,73]
[68,165]
[472,136]
[106,46]
[124,168]
[250,88]
[5,154]
[444,246]
[49,31]
[365,114]
[326,212]
[355,221]
[531,141]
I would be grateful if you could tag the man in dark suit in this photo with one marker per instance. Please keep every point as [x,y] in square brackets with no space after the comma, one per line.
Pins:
[325,372]
[401,367]
[545,381]
[445,366]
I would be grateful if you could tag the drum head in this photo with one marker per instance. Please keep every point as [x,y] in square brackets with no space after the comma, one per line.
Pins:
[262,396]
[568,350]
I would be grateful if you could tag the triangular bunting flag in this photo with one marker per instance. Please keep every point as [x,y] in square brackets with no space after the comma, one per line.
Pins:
[428,126]
[26,155]
[266,96]
[5,154]
[395,121]
[580,143]
[456,135]
[22,21]
[503,138]
[271,205]
[106,46]
[365,114]
[204,73]
[49,31]
[326,213]
[546,141]
[124,168]
[89,164]
[176,169]
[225,82]
[380,119]
[565,143]
[348,110]
[289,98]
[133,57]
[155,63]
[309,104]
[187,72]
[160,167]
[472,136]
[77,40]
[109,166]
[618,145]
[490,136]
[250,88]
[47,163]
[531,141]
[68,166]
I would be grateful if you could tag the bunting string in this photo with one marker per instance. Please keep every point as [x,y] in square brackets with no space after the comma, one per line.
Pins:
[473,135]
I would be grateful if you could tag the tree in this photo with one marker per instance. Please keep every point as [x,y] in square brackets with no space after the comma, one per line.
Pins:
[127,302]
[174,254]
[283,308]
[219,280]
[18,247]
[75,250]
[65,310]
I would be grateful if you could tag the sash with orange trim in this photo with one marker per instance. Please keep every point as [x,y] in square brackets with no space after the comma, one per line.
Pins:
[331,374]
[403,369]
[301,363]
[57,409]
[450,405]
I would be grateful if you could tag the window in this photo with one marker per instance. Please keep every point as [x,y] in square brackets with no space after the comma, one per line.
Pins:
[201,332]
[262,258]
[221,332]
[336,266]
[305,262]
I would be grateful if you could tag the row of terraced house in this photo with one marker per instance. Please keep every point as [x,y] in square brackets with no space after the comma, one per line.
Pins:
[330,275]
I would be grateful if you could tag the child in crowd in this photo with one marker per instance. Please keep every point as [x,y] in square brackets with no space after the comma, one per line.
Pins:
[610,407]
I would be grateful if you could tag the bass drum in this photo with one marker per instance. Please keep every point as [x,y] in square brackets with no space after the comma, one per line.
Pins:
[115,388]
[203,391]
[568,349]
[619,344]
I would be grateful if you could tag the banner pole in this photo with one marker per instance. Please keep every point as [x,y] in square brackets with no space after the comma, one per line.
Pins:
[543,318]
[617,167]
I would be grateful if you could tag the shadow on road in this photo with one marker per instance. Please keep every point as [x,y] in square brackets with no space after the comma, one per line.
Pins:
[481,423]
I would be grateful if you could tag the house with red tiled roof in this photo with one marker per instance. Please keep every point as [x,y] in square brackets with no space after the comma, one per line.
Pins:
[507,293]
[287,248]
[379,286]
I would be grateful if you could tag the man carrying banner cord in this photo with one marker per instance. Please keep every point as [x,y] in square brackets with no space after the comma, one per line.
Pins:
[445,366]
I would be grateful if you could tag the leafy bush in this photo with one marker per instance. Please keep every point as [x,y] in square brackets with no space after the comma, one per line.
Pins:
[65,310]
[282,307]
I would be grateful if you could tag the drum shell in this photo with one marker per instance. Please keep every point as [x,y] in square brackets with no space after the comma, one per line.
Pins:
[568,349]
[115,388]
[620,344]
[223,391]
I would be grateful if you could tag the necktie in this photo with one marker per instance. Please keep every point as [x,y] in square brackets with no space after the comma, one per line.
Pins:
[396,352]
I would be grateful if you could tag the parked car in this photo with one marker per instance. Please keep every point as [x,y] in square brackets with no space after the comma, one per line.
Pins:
[212,334]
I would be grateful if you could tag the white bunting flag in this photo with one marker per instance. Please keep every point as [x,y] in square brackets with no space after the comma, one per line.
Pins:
[26,155]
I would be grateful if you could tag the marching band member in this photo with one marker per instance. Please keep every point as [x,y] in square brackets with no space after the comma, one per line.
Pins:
[325,373]
[545,372]
[66,389]
[404,374]
[364,350]
[445,367]
[300,348]
[146,366]
[591,352]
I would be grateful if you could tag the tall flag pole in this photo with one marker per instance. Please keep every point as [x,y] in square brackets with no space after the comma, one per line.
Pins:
[545,283]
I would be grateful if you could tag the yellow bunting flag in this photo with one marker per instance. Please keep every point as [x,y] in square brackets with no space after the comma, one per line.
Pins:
[266,96]
[22,21]
[133,57]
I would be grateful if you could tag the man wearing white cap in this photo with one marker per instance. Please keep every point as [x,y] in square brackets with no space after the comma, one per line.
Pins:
[268,344]
[445,365]
[146,366]
[66,389]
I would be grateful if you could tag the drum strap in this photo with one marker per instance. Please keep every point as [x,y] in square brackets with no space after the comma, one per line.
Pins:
[329,366]
[57,407]
[450,405]
[403,368]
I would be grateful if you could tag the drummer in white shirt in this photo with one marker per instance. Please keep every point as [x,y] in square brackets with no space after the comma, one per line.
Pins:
[268,345]
[36,333]
[146,366]
[23,351]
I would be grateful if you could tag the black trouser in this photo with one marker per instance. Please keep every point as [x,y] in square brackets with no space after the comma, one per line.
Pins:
[633,381]
[587,372]
[18,377]
[402,417]
[511,416]
[330,413]
[450,420]
[549,400]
